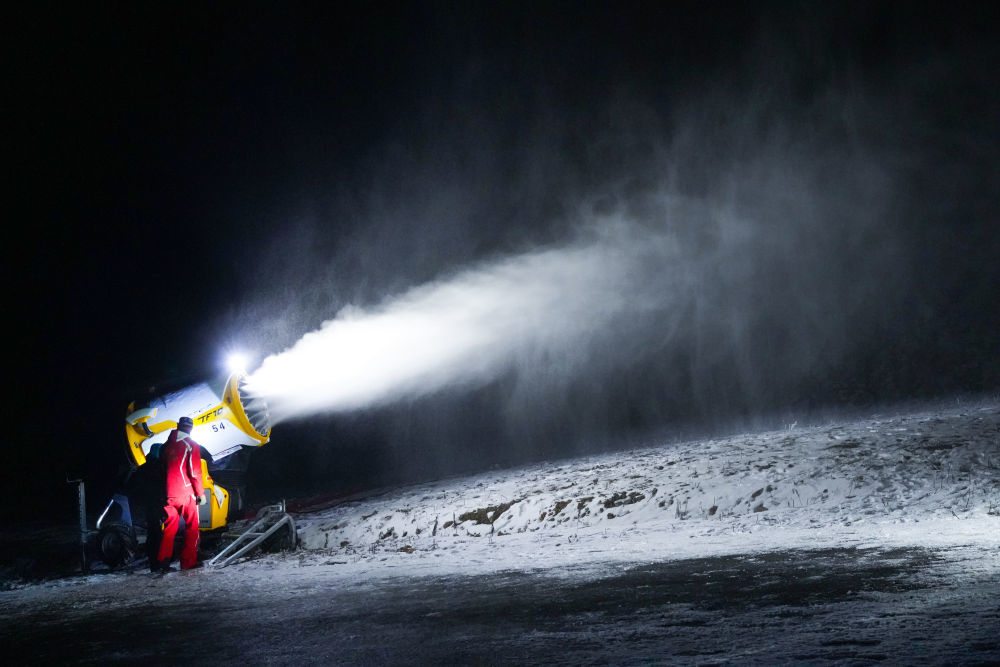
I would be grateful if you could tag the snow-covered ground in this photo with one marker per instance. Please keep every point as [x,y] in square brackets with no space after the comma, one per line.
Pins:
[925,478]
[858,541]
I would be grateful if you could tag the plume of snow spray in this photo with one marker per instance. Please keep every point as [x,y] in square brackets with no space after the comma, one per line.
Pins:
[736,295]
[552,303]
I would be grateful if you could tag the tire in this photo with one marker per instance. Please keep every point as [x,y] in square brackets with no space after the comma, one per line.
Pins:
[116,545]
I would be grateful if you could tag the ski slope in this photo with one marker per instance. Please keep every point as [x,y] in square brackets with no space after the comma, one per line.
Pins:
[919,478]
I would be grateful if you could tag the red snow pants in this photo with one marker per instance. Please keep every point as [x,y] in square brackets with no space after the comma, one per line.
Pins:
[174,510]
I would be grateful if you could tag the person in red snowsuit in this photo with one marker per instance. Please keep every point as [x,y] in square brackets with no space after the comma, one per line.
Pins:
[184,492]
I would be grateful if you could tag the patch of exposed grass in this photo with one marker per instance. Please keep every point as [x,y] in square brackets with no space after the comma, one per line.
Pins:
[486,515]
[623,498]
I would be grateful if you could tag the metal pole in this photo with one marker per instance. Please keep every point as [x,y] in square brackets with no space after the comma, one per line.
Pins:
[82,500]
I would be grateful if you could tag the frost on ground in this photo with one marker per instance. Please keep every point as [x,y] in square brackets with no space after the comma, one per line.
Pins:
[859,542]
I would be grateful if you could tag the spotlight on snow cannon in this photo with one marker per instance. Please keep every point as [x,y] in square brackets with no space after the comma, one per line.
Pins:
[236,362]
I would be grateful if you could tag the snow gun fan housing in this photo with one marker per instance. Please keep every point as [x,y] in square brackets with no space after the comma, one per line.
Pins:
[223,424]
[229,422]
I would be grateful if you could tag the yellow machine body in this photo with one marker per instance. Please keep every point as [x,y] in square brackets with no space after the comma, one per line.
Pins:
[212,514]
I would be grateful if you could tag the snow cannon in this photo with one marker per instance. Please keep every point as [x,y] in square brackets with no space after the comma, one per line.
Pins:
[225,421]
[229,423]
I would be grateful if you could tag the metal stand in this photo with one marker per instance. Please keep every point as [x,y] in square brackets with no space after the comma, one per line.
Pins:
[271,519]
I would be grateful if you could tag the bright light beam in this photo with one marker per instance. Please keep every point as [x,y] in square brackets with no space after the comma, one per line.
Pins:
[236,362]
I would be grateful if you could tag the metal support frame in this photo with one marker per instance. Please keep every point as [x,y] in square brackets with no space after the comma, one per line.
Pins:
[270,521]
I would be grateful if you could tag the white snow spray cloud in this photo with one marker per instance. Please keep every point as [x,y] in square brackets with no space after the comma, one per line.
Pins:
[724,299]
[729,256]
[550,304]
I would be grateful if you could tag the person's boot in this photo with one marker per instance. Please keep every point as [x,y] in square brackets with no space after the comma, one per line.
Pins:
[163,566]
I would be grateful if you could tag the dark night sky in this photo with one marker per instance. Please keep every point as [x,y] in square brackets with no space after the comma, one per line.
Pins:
[187,179]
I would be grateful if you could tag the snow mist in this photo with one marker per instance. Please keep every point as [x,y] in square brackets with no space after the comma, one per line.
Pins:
[548,306]
[733,253]
[671,301]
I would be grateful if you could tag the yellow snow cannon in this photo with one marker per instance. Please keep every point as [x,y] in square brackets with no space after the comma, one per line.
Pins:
[229,423]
